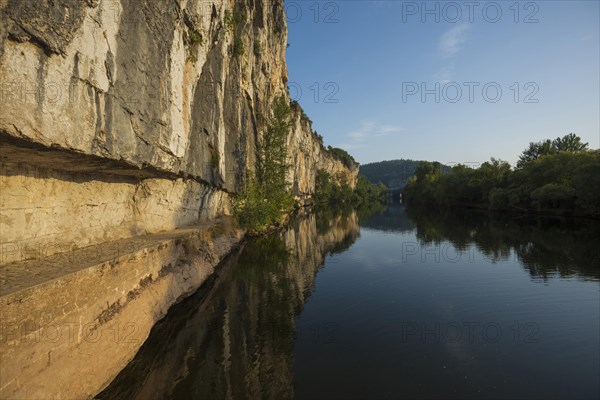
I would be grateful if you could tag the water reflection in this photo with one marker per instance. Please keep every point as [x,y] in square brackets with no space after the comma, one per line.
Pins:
[429,325]
[545,246]
[235,337]
[388,219]
[377,327]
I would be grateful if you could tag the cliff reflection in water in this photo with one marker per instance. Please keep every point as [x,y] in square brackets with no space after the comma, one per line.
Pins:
[235,337]
[544,246]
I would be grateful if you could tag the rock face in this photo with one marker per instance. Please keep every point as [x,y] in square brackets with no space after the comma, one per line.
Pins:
[71,325]
[124,117]
[119,120]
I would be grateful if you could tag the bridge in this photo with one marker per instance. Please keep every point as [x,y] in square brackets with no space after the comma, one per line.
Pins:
[395,196]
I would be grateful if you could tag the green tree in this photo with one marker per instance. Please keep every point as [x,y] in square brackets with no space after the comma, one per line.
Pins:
[565,181]
[553,195]
[323,186]
[498,198]
[429,171]
[265,198]
[535,151]
[586,181]
[492,174]
[336,191]
[570,142]
[272,149]
[343,156]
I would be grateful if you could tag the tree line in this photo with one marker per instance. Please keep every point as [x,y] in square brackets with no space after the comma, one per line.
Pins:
[335,190]
[393,173]
[560,176]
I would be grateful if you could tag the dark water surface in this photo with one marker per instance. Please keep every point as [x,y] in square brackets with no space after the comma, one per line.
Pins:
[391,305]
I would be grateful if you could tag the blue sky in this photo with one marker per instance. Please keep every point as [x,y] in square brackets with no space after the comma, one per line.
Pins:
[359,69]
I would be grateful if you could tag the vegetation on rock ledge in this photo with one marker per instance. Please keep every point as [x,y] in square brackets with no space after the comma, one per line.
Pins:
[343,156]
[265,197]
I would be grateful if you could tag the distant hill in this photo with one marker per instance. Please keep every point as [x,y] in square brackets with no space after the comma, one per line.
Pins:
[394,173]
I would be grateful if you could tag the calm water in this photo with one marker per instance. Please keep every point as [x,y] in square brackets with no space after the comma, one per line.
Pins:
[387,305]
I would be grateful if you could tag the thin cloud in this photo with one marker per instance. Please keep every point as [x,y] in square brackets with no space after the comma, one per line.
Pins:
[444,75]
[587,37]
[452,41]
[349,146]
[369,130]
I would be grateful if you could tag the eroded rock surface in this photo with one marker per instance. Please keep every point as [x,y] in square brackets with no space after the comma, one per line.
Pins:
[122,117]
[70,323]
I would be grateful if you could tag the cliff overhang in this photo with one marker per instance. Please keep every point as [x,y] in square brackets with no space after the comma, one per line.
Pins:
[121,121]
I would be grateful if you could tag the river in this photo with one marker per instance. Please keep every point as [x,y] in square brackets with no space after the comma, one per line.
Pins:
[393,303]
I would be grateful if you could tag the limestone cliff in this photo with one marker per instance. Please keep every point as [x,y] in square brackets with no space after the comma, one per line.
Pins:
[125,117]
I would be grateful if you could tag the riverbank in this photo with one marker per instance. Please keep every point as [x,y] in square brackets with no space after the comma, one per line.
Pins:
[562,182]
[81,316]
[514,211]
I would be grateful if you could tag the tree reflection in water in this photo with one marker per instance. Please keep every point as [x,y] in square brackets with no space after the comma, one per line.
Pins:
[545,246]
[235,337]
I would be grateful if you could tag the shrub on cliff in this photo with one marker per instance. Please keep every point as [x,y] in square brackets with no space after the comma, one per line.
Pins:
[252,209]
[266,197]
[343,156]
